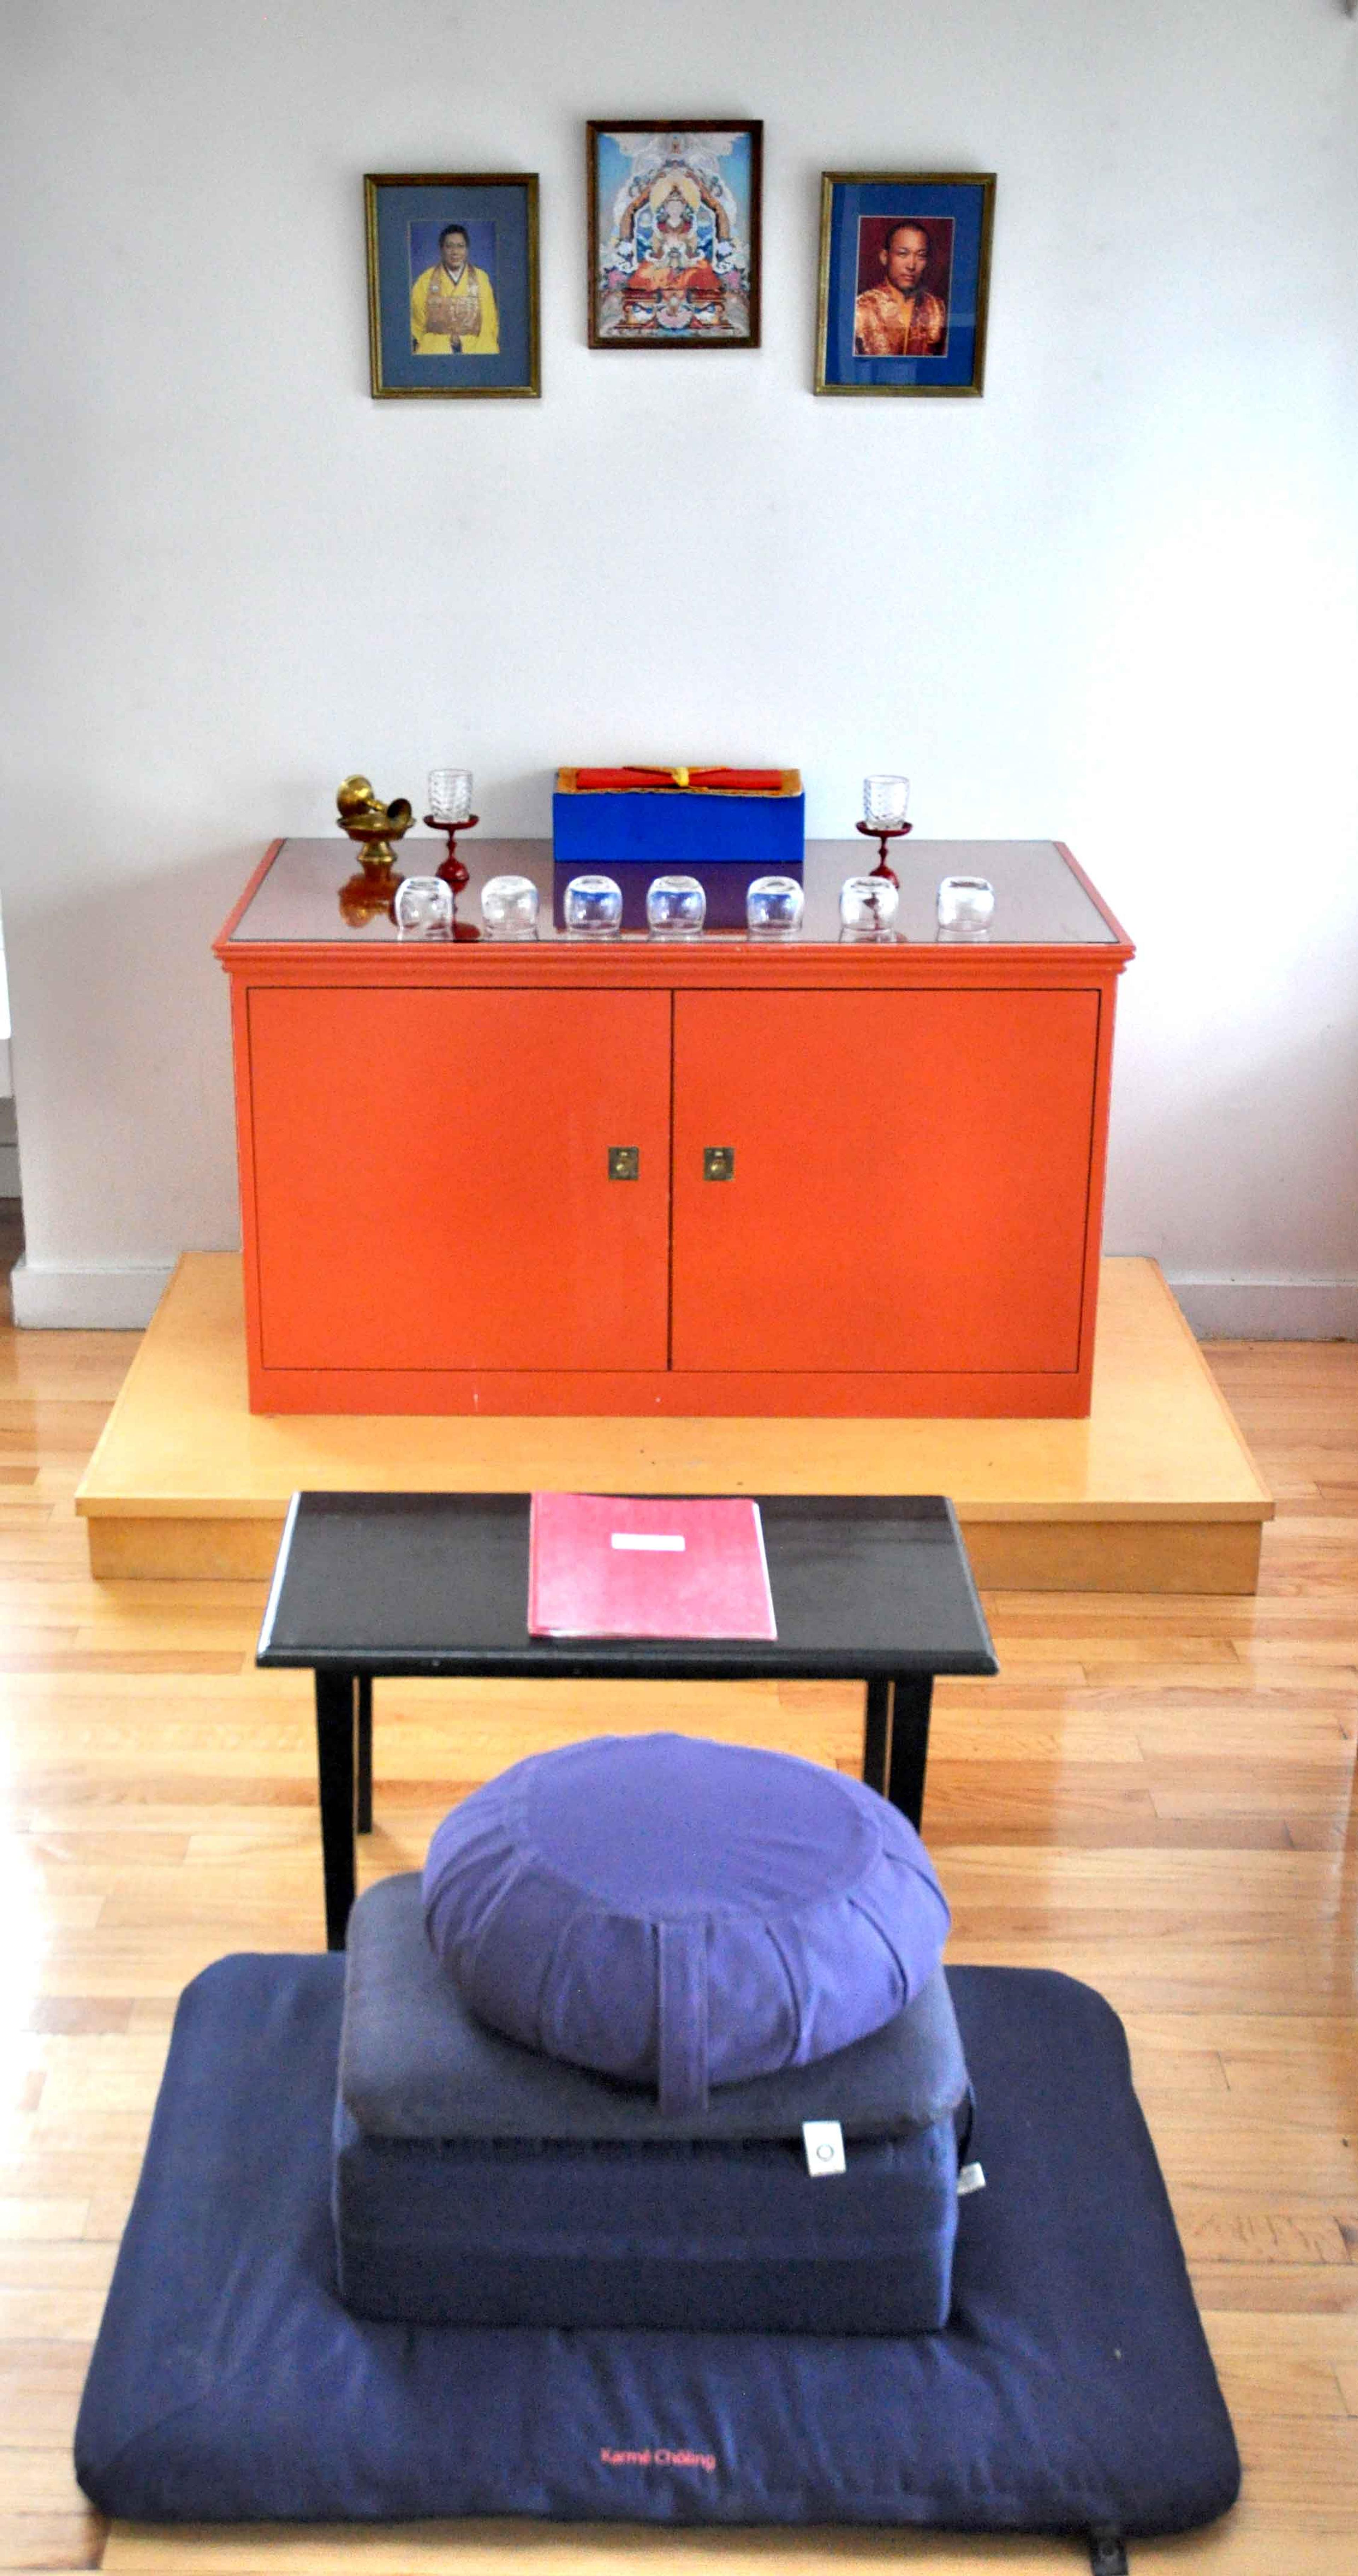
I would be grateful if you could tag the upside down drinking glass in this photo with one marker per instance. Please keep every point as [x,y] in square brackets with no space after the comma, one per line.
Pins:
[868,907]
[424,908]
[592,907]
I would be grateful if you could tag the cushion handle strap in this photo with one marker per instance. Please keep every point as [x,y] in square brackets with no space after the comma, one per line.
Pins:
[1107,2550]
[681,1998]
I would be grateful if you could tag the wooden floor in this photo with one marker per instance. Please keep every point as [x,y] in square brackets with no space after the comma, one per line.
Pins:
[1155,1795]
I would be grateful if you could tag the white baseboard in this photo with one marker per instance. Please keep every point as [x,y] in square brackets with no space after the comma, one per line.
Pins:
[87,1296]
[1225,1309]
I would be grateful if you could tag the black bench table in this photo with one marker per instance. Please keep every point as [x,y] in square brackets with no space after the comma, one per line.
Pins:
[870,1588]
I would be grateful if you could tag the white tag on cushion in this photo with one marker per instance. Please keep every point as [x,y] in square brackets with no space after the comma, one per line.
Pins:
[824,2144]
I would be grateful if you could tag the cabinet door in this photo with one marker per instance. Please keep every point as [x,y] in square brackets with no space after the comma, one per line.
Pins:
[432,1184]
[910,1180]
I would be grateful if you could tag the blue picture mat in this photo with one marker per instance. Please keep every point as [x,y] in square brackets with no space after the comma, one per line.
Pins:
[964,203]
[409,221]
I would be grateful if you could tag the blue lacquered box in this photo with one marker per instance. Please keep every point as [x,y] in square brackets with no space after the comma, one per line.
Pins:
[724,834]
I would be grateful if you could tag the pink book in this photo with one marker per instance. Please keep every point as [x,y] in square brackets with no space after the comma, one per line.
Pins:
[601,1565]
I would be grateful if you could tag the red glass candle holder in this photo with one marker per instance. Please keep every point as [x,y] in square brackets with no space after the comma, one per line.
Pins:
[453,870]
[881,834]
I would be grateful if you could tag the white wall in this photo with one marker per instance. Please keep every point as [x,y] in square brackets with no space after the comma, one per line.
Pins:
[1113,601]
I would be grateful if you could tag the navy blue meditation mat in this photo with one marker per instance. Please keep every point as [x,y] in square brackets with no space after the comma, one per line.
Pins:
[1071,2391]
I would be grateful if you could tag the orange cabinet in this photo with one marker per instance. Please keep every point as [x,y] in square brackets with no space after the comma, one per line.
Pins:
[819,1178]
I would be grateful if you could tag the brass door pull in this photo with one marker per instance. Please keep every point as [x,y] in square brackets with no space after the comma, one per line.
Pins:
[624,1162]
[719,1162]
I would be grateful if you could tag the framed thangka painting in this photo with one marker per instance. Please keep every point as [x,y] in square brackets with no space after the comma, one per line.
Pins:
[904,278]
[674,234]
[453,284]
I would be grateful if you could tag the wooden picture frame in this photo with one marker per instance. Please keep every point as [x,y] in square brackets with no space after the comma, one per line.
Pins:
[674,244]
[452,318]
[904,281]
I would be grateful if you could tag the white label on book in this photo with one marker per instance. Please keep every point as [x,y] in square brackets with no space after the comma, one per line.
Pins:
[824,2144]
[651,1541]
[971,2178]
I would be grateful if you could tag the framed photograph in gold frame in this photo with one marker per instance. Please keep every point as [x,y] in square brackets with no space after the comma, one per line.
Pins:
[674,223]
[904,281]
[452,284]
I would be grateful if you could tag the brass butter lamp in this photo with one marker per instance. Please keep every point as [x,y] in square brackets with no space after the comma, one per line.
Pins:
[372,825]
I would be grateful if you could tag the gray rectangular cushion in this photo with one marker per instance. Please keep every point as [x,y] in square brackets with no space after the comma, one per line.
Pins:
[416,2064]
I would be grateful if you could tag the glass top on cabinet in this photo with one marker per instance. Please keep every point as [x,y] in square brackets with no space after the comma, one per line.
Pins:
[1040,900]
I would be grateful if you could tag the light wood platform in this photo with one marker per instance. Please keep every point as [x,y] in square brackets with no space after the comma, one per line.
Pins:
[1156,1492]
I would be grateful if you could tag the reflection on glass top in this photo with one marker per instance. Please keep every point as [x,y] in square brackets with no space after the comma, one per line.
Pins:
[1039,901]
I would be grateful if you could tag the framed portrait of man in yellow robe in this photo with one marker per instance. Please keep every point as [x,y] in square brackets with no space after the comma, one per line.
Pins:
[452,284]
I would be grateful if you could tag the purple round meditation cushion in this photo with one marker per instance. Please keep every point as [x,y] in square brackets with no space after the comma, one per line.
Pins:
[682,1913]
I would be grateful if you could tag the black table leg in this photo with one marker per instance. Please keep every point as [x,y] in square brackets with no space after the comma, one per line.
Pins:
[876,1729]
[912,1696]
[363,1700]
[335,1696]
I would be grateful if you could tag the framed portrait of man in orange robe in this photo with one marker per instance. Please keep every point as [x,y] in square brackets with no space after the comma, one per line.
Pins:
[904,282]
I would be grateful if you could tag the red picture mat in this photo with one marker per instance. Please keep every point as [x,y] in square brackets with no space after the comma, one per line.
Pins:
[681,1569]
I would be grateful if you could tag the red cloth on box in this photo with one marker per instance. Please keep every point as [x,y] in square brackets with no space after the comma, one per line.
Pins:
[757,782]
